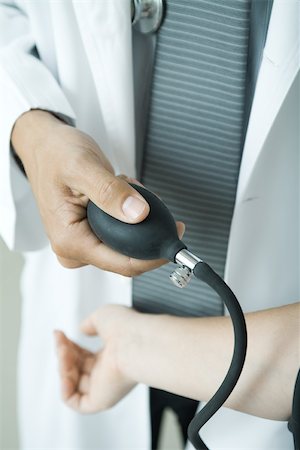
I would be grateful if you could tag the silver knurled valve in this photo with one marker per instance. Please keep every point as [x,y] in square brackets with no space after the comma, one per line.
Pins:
[182,274]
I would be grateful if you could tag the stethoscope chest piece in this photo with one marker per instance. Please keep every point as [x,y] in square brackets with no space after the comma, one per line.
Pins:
[147,15]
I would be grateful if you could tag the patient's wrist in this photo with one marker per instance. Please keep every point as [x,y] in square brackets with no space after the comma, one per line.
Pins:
[129,344]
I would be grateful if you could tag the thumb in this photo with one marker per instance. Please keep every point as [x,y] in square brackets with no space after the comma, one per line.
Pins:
[115,196]
[88,326]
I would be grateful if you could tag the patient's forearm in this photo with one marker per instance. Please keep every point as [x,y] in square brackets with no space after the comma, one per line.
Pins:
[190,357]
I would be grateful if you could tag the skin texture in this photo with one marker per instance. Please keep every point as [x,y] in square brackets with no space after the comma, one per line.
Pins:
[187,356]
[66,168]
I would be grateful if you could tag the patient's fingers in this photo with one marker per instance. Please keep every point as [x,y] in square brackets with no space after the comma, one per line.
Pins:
[69,364]
[79,352]
[84,384]
[67,388]
[88,364]
[88,326]
[82,403]
[75,365]
[73,401]
[59,337]
[66,352]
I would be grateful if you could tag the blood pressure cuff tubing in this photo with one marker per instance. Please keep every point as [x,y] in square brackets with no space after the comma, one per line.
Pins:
[294,422]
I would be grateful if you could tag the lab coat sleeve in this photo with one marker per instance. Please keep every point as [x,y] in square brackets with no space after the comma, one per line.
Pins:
[25,83]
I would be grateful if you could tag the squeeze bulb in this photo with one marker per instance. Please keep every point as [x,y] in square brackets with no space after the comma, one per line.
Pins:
[153,238]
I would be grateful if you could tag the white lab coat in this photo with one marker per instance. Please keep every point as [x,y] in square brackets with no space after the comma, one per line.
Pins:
[85,75]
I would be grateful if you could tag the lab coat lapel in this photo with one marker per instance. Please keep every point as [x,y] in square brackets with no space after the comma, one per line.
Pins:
[105,28]
[279,67]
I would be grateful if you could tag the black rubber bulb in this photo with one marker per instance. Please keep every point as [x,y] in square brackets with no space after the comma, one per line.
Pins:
[153,238]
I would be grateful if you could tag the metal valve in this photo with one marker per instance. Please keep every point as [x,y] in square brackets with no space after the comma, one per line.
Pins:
[181,276]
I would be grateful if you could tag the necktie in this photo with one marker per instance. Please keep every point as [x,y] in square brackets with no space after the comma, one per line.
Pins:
[194,138]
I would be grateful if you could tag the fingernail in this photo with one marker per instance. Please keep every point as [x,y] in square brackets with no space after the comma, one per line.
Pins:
[133,207]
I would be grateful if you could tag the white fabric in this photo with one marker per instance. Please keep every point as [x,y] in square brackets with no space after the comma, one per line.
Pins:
[85,74]
[82,46]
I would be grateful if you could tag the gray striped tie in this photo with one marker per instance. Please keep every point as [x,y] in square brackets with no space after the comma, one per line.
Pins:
[194,140]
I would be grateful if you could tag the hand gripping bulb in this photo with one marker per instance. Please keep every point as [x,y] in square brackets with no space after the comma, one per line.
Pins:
[156,237]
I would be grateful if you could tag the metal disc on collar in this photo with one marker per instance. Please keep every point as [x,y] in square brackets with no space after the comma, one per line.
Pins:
[147,15]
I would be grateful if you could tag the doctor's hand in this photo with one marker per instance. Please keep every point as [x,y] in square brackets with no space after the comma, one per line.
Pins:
[66,168]
[92,382]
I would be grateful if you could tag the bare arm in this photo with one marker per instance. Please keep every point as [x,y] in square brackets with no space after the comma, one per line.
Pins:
[190,357]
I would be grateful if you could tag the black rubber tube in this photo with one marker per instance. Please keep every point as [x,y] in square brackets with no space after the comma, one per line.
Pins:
[294,422]
[205,273]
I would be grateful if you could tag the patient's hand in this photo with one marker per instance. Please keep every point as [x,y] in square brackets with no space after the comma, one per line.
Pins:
[92,382]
